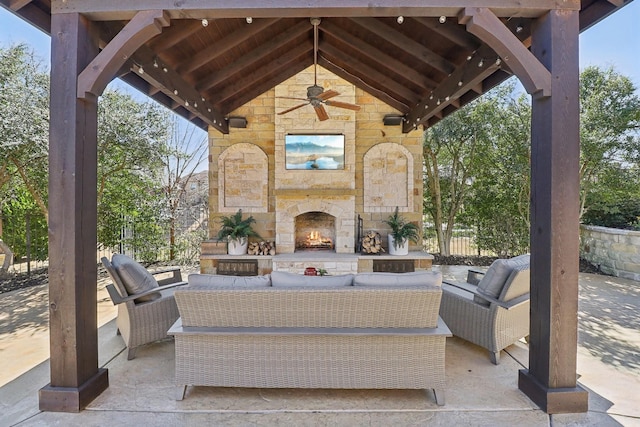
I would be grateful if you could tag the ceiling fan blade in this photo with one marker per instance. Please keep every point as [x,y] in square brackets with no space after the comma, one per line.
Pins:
[339,104]
[328,94]
[321,112]
[293,108]
[291,97]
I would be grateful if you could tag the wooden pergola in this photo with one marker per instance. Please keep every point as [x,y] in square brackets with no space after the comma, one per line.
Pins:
[205,58]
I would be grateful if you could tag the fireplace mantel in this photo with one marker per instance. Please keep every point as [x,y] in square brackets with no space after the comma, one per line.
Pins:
[304,192]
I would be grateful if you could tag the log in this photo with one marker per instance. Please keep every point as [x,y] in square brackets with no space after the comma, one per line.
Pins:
[372,243]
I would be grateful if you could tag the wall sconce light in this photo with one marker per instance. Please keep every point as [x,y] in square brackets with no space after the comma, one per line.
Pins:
[237,122]
[392,119]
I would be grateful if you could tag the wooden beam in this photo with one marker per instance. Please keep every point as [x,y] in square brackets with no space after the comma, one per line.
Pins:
[174,87]
[462,80]
[274,67]
[76,378]
[356,81]
[368,75]
[487,27]
[405,43]
[551,380]
[255,56]
[222,46]
[388,62]
[37,17]
[95,77]
[212,9]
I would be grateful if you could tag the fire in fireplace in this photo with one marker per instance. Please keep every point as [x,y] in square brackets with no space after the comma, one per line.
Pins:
[315,231]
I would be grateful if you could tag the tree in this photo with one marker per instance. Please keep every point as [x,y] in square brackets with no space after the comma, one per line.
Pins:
[24,123]
[609,126]
[131,140]
[181,157]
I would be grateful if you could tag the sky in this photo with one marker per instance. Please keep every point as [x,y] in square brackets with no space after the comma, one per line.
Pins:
[611,42]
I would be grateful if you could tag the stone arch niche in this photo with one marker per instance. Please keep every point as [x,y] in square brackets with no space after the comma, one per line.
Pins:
[388,178]
[243,179]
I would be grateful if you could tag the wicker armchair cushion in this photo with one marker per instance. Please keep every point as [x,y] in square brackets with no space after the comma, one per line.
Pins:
[401,279]
[212,280]
[282,279]
[135,278]
[496,276]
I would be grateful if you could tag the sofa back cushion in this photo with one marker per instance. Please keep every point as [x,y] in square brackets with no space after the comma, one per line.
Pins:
[216,281]
[135,278]
[283,279]
[417,278]
[310,307]
[500,270]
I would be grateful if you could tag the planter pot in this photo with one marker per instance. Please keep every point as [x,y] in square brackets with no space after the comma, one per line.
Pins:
[238,247]
[401,249]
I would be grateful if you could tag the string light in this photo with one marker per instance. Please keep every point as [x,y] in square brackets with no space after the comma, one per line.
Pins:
[140,70]
[205,22]
[155,63]
[519,29]
[175,92]
[498,61]
[481,63]
[249,20]
[165,69]
[186,103]
[442,19]
[400,19]
[460,83]
[446,98]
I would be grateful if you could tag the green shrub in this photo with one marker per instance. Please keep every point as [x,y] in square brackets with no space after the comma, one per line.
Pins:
[623,214]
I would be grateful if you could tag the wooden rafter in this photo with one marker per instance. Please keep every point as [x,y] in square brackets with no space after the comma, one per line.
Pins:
[488,28]
[290,58]
[369,74]
[95,77]
[405,43]
[242,99]
[173,35]
[255,56]
[18,4]
[222,46]
[465,78]
[450,32]
[374,54]
[357,81]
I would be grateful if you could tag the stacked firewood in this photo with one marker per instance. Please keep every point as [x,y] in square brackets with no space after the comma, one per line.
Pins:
[262,248]
[372,243]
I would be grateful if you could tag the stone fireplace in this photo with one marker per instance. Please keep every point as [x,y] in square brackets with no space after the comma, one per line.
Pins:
[248,171]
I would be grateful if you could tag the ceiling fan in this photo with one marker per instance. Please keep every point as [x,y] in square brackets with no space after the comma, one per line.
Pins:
[316,95]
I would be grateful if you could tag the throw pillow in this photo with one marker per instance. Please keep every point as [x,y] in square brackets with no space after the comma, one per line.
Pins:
[283,279]
[426,277]
[214,280]
[135,278]
[496,276]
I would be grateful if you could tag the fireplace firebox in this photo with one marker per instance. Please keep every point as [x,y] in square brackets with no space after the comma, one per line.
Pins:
[315,231]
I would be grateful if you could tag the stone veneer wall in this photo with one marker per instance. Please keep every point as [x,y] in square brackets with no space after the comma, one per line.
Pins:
[392,161]
[615,251]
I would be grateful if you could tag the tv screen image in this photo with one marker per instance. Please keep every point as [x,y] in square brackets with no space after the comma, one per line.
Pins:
[314,152]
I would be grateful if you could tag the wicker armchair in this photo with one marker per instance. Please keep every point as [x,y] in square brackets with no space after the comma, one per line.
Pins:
[146,316]
[489,310]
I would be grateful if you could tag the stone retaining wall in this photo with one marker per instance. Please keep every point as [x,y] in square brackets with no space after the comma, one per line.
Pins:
[615,251]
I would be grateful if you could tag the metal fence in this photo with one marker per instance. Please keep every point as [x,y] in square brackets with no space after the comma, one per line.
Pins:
[462,243]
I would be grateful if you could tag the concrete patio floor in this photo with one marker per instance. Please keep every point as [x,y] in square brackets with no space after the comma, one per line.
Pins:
[478,393]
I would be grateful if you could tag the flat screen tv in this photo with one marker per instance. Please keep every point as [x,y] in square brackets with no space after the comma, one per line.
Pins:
[314,152]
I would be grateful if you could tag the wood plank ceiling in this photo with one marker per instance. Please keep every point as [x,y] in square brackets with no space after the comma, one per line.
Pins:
[205,69]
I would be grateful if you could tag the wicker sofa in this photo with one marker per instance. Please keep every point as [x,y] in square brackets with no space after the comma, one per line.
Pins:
[351,332]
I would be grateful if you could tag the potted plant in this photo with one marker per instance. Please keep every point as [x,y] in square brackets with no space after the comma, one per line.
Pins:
[401,232]
[237,232]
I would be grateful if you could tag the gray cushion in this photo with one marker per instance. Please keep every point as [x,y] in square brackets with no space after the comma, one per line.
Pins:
[213,280]
[135,278]
[283,279]
[401,279]
[496,276]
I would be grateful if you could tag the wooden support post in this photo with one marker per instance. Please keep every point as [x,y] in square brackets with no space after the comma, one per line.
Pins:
[551,380]
[75,377]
